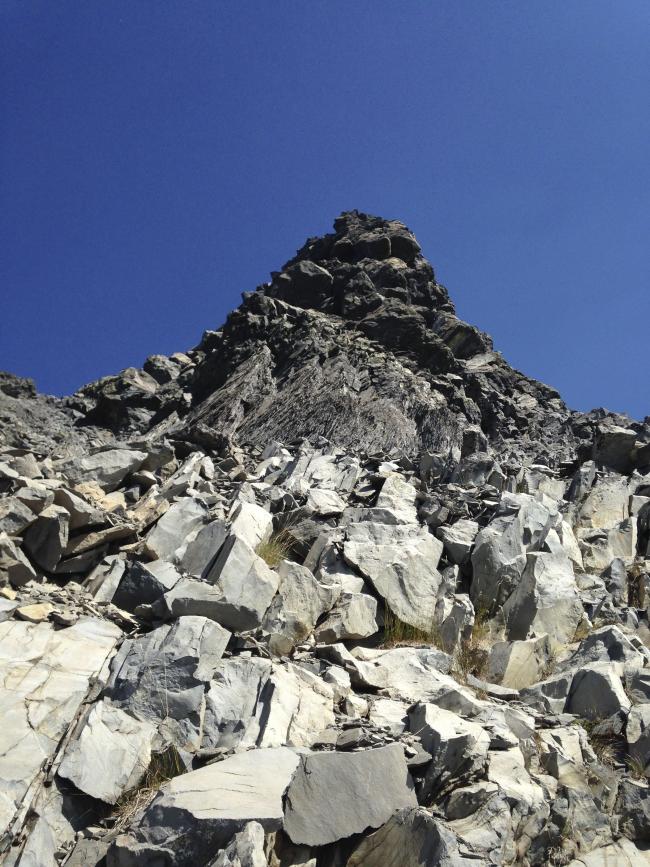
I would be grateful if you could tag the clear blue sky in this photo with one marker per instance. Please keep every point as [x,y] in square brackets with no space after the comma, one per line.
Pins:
[158,158]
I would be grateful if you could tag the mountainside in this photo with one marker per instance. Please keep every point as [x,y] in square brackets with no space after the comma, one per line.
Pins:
[338,587]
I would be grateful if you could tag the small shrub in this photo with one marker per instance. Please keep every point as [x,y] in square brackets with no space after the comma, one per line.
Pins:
[276,548]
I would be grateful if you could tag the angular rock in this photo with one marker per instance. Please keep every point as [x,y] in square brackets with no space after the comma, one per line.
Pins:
[144,583]
[111,755]
[106,468]
[545,600]
[197,814]
[251,523]
[328,798]
[15,568]
[353,618]
[15,516]
[46,539]
[171,532]
[597,693]
[400,562]
[458,540]
[246,849]
[202,550]
[298,604]
[245,585]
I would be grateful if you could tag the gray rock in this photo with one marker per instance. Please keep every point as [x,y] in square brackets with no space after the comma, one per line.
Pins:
[246,849]
[144,583]
[638,737]
[633,806]
[82,514]
[111,754]
[15,568]
[106,468]
[298,604]
[251,523]
[15,516]
[458,540]
[519,663]
[401,563]
[545,600]
[245,585]
[328,798]
[202,550]
[352,618]
[410,838]
[197,814]
[597,693]
[46,539]
[171,532]
[459,747]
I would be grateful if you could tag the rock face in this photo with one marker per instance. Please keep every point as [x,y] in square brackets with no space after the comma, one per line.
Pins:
[338,586]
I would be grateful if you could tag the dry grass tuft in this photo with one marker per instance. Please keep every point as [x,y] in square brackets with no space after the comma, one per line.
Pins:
[472,654]
[275,549]
[400,634]
[163,767]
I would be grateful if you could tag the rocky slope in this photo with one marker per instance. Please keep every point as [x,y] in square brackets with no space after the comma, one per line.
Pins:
[338,587]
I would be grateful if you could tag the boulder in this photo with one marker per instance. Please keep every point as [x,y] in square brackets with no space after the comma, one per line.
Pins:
[335,795]
[245,584]
[352,618]
[15,516]
[545,600]
[45,540]
[519,663]
[298,604]
[597,693]
[197,814]
[606,504]
[111,755]
[459,747]
[15,568]
[251,523]
[401,563]
[638,737]
[201,552]
[246,849]
[458,540]
[324,503]
[106,468]
[170,534]
[412,837]
[144,583]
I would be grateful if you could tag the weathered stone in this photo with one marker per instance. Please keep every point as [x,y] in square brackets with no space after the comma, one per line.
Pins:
[545,600]
[245,585]
[596,693]
[400,562]
[111,754]
[144,583]
[353,618]
[327,799]
[46,539]
[246,849]
[198,813]
[251,523]
[638,737]
[44,677]
[324,503]
[458,540]
[106,468]
[298,604]
[169,536]
[459,747]
[35,613]
[15,516]
[14,566]
[519,663]
[410,838]
[82,514]
[202,550]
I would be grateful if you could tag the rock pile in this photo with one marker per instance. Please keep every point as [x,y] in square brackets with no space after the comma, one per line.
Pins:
[337,588]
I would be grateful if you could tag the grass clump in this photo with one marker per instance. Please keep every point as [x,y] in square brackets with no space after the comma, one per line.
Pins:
[162,767]
[400,634]
[276,548]
[472,654]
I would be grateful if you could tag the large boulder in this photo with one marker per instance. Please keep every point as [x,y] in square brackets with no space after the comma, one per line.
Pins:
[45,540]
[335,795]
[197,814]
[108,468]
[401,564]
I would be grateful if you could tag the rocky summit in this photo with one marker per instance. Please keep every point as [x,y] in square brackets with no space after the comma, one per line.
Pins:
[338,587]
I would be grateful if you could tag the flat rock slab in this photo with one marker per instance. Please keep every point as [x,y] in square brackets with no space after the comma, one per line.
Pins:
[44,677]
[336,795]
[196,814]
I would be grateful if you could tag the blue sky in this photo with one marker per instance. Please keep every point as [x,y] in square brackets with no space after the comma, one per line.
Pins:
[158,158]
